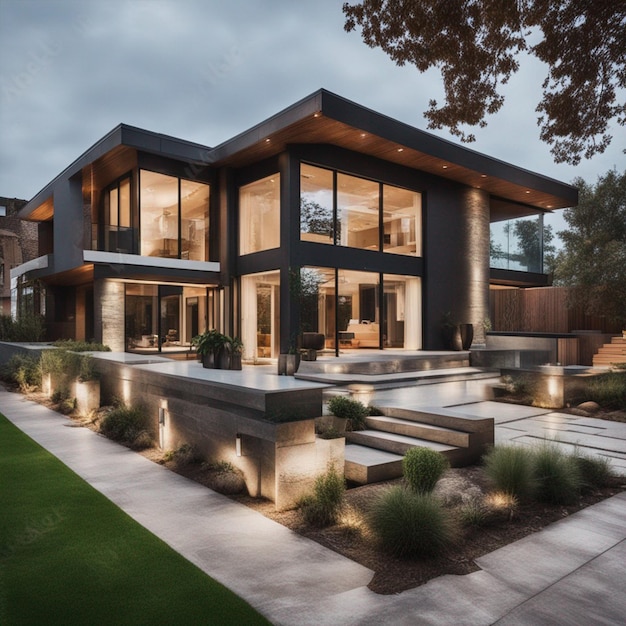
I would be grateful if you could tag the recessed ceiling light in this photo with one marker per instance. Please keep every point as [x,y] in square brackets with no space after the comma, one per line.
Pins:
[483,175]
[527,191]
[400,149]
[445,167]
[363,135]
[267,140]
[316,114]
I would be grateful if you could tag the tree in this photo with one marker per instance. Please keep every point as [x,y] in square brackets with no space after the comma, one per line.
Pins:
[475,43]
[593,260]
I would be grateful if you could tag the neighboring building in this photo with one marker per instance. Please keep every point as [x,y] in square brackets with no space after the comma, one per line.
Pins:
[327,217]
[18,243]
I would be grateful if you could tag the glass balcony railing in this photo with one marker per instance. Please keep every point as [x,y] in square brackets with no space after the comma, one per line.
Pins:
[517,244]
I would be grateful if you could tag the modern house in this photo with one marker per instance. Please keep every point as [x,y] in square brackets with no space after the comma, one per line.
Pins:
[328,217]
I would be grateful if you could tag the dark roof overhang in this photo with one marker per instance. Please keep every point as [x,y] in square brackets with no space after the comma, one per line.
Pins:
[325,118]
[41,207]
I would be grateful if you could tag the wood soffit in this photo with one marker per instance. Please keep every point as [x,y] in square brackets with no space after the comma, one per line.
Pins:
[319,129]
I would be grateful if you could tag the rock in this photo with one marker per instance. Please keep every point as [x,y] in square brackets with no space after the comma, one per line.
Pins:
[589,407]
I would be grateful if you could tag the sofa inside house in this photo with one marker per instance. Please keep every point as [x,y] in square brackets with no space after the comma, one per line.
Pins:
[363,334]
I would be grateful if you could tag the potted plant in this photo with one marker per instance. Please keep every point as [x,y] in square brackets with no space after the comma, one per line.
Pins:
[450,332]
[288,363]
[236,350]
[207,344]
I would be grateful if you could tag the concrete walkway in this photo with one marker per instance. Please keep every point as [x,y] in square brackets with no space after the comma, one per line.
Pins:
[573,572]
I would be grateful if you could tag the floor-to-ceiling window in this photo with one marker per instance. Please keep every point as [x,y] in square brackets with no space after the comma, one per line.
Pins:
[260,314]
[118,231]
[259,215]
[345,306]
[166,317]
[173,217]
[402,312]
[194,210]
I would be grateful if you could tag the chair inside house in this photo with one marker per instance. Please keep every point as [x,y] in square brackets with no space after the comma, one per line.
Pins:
[310,344]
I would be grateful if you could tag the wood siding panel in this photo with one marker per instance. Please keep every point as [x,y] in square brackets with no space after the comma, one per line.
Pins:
[542,310]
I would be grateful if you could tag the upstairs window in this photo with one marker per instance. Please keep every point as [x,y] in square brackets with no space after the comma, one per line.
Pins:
[173,217]
[345,210]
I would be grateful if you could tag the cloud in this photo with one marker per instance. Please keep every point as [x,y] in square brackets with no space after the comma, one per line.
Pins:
[205,71]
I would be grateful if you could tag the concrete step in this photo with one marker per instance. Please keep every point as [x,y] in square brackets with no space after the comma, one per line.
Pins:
[398,379]
[420,430]
[392,442]
[367,465]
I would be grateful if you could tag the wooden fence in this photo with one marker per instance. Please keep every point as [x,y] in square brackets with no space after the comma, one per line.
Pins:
[542,310]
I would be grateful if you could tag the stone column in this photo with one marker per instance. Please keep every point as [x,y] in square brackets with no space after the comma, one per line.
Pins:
[109,313]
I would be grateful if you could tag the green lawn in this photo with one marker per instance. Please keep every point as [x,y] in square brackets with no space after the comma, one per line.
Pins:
[70,556]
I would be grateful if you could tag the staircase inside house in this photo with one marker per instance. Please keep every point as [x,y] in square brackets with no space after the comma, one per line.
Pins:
[375,454]
[611,353]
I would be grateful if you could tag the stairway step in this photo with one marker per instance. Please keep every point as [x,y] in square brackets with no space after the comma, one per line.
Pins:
[367,465]
[392,442]
[420,430]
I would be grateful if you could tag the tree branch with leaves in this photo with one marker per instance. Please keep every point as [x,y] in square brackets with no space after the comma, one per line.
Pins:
[476,43]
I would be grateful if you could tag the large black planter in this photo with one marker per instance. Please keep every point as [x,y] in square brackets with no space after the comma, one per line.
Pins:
[288,364]
[208,361]
[452,337]
[467,335]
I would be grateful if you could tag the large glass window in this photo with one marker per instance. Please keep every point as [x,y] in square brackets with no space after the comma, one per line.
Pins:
[260,314]
[194,207]
[357,212]
[159,215]
[259,215]
[173,217]
[316,204]
[166,317]
[352,216]
[401,221]
[345,307]
[118,234]
[402,312]
[517,244]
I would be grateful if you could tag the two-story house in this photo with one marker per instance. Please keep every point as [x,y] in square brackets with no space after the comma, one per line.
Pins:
[328,217]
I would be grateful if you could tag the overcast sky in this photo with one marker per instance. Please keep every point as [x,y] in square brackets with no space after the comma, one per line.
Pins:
[206,70]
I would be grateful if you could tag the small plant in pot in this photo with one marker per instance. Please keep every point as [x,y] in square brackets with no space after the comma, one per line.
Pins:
[236,350]
[207,345]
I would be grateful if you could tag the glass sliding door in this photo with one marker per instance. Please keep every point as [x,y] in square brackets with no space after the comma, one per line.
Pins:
[165,318]
[358,309]
[402,312]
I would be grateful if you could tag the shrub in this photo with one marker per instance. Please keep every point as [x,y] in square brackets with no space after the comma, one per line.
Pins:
[410,524]
[323,507]
[594,471]
[24,371]
[557,475]
[352,410]
[127,425]
[422,468]
[81,346]
[608,390]
[224,478]
[26,328]
[511,469]
[186,454]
